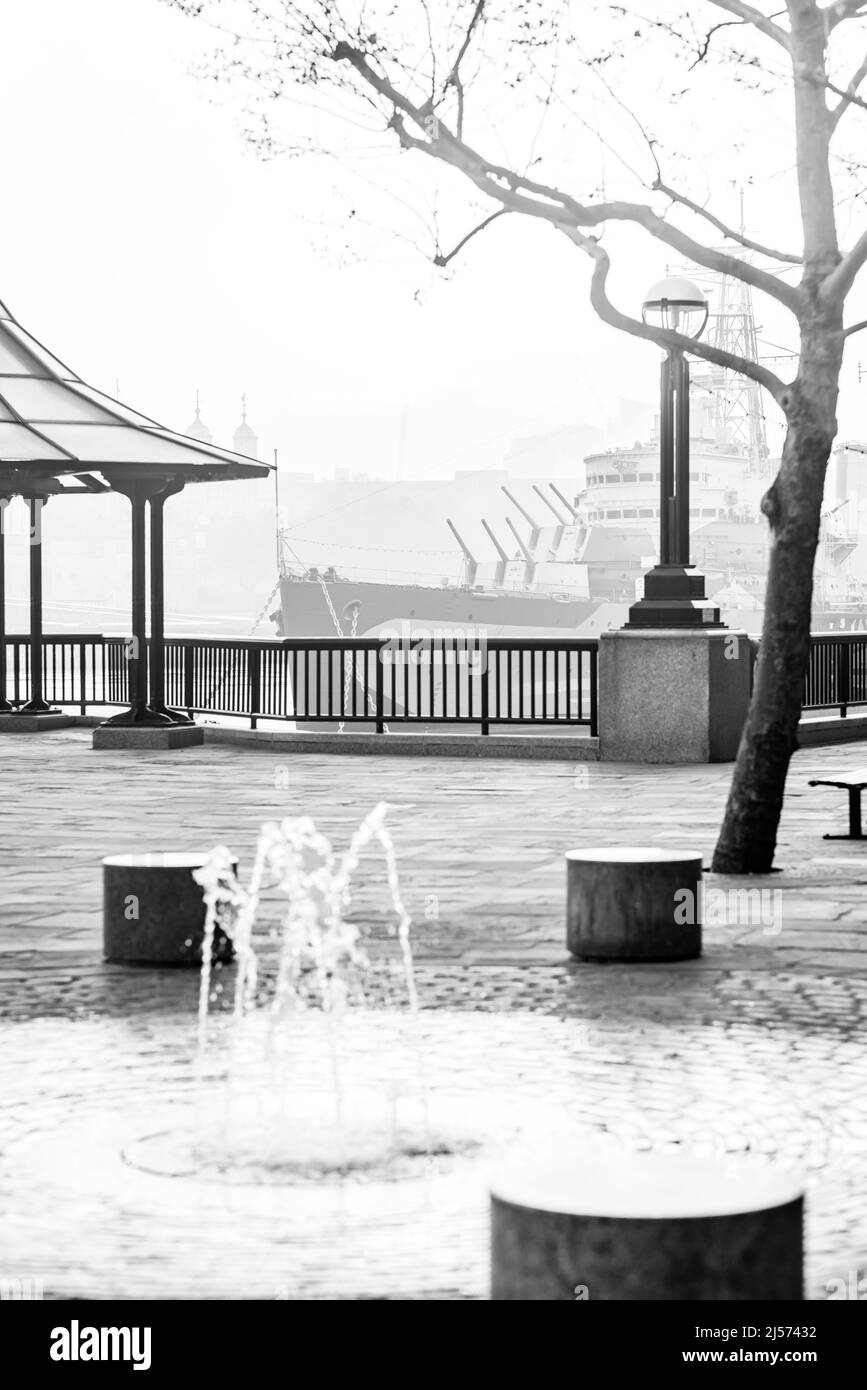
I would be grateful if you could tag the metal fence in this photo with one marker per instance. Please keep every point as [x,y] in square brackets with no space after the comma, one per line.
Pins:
[85,669]
[836,671]
[366,681]
[374,683]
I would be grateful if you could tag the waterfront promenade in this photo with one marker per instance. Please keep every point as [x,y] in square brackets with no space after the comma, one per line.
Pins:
[758,1046]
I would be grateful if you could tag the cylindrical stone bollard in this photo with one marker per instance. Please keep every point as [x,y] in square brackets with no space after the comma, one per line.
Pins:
[588,1225]
[637,904]
[154,911]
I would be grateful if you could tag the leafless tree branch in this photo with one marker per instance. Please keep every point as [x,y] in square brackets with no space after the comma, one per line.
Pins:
[454,77]
[518,193]
[664,337]
[843,9]
[838,283]
[854,328]
[848,97]
[443,260]
[728,232]
[759,21]
[704,46]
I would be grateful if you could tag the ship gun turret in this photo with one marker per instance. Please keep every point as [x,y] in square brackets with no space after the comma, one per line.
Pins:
[471,561]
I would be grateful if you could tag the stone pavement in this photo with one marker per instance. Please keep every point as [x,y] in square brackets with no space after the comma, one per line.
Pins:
[756,1047]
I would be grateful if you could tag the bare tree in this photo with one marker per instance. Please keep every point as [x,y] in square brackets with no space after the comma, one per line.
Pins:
[419,91]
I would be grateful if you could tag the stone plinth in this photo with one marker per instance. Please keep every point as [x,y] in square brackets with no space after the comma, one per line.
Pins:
[636,903]
[154,911]
[34,723]
[592,1224]
[140,738]
[673,695]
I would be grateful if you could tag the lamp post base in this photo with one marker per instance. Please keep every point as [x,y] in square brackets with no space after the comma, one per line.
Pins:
[676,695]
[673,597]
[138,716]
[177,716]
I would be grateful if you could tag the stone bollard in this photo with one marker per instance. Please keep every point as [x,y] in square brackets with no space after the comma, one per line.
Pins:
[154,911]
[633,904]
[603,1225]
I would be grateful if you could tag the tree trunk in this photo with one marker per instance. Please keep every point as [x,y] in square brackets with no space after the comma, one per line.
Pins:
[793,506]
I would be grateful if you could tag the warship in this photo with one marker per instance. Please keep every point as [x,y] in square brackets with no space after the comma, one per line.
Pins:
[560,565]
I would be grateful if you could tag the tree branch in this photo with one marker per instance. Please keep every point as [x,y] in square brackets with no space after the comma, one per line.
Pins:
[467,40]
[454,77]
[848,97]
[854,328]
[664,337]
[727,232]
[704,46]
[519,193]
[750,15]
[843,9]
[838,283]
[441,260]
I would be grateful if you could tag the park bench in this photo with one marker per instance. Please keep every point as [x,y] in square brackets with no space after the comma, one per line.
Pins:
[854,783]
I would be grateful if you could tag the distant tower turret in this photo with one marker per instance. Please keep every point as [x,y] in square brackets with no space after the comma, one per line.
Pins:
[198,429]
[244,441]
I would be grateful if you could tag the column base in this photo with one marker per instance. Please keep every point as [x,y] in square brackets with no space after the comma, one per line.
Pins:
[142,717]
[20,722]
[673,598]
[676,695]
[145,738]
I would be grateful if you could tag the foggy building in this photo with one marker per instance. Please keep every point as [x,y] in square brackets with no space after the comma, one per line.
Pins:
[244,441]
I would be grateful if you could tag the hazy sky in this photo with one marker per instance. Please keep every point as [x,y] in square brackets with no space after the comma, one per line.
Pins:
[146,245]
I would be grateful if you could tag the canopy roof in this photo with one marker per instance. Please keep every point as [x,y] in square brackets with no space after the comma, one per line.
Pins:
[52,424]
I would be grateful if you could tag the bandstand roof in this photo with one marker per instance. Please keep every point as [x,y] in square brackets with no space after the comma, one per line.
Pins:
[52,424]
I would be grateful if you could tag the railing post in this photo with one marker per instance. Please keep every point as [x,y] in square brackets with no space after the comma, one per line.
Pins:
[486,728]
[82,678]
[594,691]
[379,692]
[254,674]
[189,671]
[843,654]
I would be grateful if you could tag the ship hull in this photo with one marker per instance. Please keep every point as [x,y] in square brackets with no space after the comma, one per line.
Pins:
[360,609]
[363,609]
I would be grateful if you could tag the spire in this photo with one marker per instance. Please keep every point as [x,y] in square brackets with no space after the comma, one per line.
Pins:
[244,441]
[198,429]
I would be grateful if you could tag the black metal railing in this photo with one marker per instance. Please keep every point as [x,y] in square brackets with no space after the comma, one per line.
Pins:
[372,682]
[86,669]
[836,671]
[364,681]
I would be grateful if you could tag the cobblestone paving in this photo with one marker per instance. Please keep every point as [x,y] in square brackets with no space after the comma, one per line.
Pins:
[758,1047]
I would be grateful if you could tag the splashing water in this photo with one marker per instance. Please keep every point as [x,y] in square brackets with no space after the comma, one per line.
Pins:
[321,960]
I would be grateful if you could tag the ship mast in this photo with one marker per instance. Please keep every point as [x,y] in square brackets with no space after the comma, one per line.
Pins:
[736,411]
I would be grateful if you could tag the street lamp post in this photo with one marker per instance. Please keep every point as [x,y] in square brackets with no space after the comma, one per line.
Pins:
[673,595]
